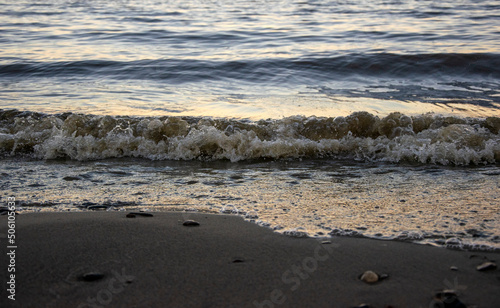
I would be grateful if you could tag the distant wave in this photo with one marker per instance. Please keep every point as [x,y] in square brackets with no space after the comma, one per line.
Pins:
[362,136]
[268,70]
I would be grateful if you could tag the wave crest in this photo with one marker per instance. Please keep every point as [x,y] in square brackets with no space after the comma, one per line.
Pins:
[396,138]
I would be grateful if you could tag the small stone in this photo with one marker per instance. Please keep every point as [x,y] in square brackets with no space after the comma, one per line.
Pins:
[369,277]
[93,276]
[130,215]
[238,260]
[142,214]
[453,268]
[191,223]
[326,242]
[486,266]
[383,276]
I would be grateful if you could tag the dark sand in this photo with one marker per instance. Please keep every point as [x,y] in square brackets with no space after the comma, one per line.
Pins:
[224,262]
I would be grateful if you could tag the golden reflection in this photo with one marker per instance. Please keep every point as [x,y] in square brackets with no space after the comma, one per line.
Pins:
[256,107]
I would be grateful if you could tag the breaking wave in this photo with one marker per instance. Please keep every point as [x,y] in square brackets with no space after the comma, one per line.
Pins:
[423,139]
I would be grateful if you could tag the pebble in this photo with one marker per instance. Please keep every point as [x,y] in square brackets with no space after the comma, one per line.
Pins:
[486,266]
[142,214]
[238,261]
[191,223]
[369,277]
[93,276]
[453,268]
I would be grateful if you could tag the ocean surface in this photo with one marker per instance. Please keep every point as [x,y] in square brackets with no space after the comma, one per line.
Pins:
[314,118]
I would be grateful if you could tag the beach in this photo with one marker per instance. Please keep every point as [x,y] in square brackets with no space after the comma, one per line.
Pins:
[276,153]
[106,259]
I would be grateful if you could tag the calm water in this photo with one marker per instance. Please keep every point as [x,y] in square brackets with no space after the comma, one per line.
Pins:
[251,59]
[374,118]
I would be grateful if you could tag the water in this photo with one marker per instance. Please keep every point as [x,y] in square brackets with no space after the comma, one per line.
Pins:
[360,118]
[250,59]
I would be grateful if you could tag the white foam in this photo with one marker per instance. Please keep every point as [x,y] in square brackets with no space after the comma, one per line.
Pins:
[396,138]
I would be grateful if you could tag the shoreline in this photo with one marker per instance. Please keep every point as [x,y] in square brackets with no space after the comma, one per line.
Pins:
[86,259]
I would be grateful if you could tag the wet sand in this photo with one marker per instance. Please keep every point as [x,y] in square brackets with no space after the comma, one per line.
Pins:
[104,259]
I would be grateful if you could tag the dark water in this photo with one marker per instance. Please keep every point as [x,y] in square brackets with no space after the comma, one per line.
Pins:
[362,118]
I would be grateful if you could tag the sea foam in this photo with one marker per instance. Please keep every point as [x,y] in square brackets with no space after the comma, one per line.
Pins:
[425,138]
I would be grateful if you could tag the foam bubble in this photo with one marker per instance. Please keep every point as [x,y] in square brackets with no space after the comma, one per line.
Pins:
[361,135]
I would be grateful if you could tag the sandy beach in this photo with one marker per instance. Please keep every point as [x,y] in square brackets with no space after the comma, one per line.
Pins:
[105,259]
[361,137]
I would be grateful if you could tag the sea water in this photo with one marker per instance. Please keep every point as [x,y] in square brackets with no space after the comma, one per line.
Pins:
[314,118]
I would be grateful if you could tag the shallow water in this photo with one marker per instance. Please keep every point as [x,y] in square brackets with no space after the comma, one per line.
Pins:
[447,206]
